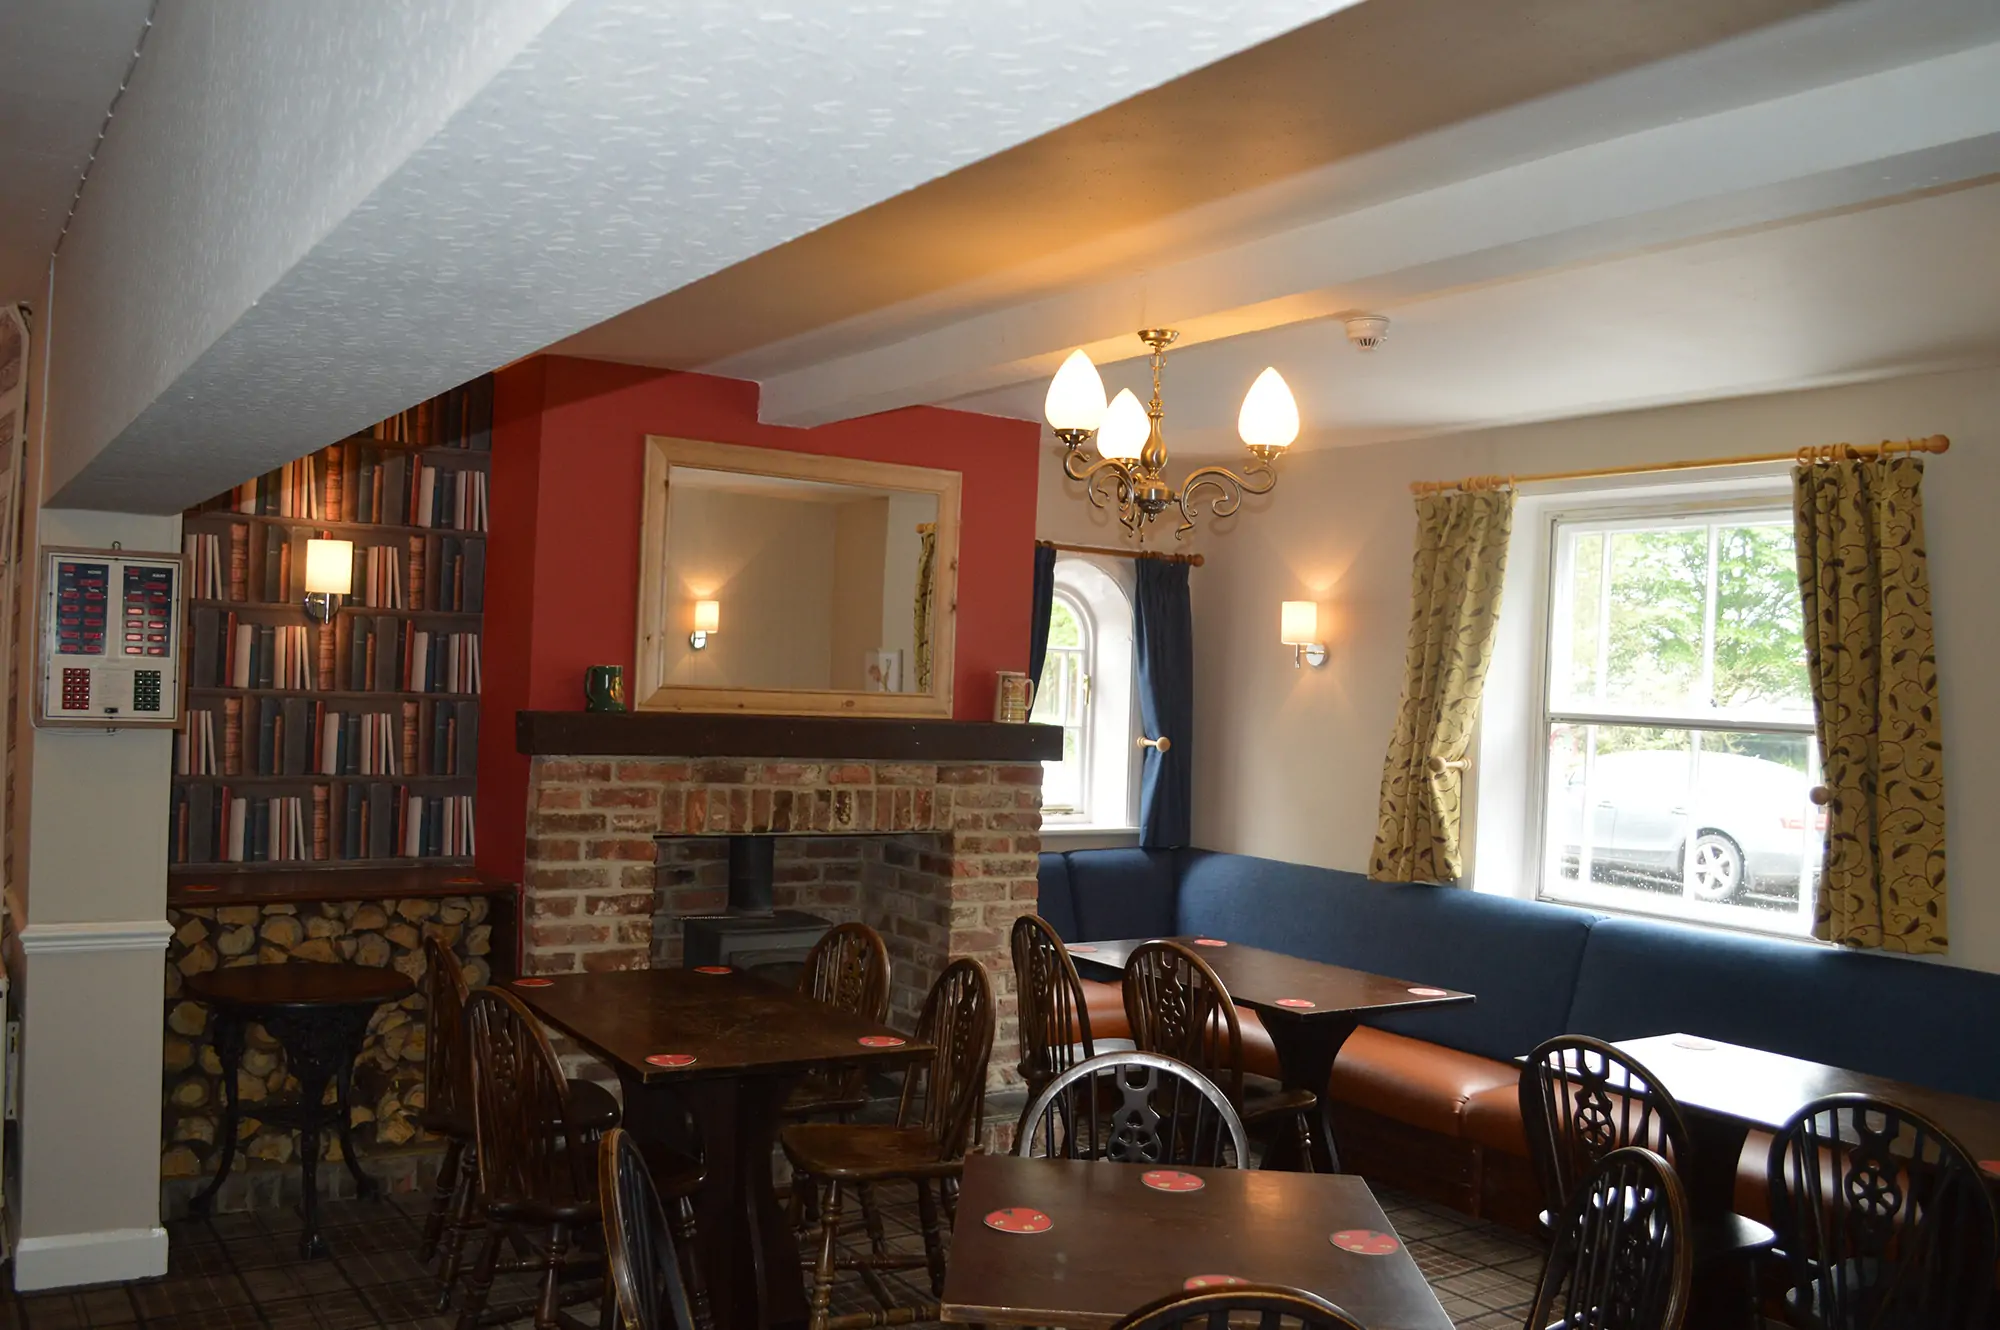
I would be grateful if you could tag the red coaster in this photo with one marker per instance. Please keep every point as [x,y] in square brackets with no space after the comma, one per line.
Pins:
[1689,1041]
[1019,1219]
[1429,992]
[1990,1166]
[463,882]
[201,886]
[1297,1004]
[881,1041]
[1210,942]
[1166,1179]
[534,983]
[1193,1282]
[1081,946]
[670,1060]
[712,969]
[1365,1242]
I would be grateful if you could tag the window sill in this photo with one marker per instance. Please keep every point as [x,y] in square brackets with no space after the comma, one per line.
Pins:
[1073,836]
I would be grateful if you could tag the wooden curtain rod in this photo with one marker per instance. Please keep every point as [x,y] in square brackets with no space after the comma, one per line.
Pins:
[1114,552]
[1936,443]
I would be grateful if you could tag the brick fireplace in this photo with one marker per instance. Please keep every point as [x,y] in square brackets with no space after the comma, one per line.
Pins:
[925,830]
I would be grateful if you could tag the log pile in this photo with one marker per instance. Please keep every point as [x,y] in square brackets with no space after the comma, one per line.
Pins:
[388,1078]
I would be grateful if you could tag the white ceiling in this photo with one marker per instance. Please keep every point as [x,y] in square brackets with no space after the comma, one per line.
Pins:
[1900,288]
[1808,201]
[60,66]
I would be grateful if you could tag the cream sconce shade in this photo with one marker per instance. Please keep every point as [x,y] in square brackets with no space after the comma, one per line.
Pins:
[1298,628]
[707,619]
[329,576]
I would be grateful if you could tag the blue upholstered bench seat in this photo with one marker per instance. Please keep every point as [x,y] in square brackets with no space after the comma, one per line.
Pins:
[1541,970]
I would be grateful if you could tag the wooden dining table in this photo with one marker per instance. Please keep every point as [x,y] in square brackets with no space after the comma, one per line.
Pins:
[1307,1007]
[1726,1090]
[1118,1236]
[721,1049]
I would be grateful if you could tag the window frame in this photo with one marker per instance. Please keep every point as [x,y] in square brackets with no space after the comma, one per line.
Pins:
[1099,592]
[1705,507]
[1086,739]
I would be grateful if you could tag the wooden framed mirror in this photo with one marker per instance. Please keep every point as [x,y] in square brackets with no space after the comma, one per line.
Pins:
[788,583]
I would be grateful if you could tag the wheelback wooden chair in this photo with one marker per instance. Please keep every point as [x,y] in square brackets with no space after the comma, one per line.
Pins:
[1885,1219]
[1053,1018]
[645,1267]
[848,970]
[1134,1108]
[537,1164]
[448,1113]
[1619,1254]
[935,1121]
[1178,1005]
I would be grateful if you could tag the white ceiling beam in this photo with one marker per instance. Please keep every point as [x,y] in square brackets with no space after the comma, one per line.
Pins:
[627,148]
[1922,126]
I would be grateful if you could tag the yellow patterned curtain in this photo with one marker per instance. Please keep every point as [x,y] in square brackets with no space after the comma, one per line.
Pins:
[1461,561]
[1865,581]
[926,581]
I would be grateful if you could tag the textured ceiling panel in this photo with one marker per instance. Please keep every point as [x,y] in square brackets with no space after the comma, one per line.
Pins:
[60,64]
[630,148]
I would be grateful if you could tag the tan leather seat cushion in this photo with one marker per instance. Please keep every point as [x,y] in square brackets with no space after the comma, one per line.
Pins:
[1423,1084]
[1493,1119]
[1106,1004]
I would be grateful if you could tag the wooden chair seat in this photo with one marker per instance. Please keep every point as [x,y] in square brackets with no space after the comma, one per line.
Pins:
[1280,1103]
[871,1152]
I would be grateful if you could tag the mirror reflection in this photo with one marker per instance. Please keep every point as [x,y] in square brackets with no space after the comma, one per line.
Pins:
[779,583]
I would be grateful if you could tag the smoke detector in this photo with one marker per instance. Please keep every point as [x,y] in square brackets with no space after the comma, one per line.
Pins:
[1367,331]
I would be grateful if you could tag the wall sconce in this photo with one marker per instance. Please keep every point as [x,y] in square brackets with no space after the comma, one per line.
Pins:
[707,619]
[1298,628]
[329,576]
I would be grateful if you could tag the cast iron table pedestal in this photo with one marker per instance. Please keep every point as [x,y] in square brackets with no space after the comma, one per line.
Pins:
[320,1014]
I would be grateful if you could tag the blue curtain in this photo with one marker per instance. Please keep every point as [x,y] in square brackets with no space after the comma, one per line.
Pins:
[1163,629]
[1045,600]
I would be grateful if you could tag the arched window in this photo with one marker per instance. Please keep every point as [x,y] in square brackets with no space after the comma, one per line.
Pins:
[1087,689]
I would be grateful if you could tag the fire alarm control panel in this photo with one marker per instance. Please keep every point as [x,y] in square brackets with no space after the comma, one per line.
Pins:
[110,638]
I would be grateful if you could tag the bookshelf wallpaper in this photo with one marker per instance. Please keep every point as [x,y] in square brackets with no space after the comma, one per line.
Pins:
[354,742]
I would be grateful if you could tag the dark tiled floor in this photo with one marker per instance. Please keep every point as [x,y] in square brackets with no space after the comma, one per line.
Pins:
[242,1272]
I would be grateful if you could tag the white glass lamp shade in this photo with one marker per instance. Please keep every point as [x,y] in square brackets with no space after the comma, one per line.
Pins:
[1298,623]
[1076,395]
[1269,418]
[329,567]
[707,616]
[1124,429]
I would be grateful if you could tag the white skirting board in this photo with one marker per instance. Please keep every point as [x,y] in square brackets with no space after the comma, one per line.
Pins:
[69,1259]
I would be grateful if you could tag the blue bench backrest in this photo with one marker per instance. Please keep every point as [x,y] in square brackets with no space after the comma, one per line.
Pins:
[1909,1020]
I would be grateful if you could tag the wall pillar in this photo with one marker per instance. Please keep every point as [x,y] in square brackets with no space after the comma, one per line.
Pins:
[88,972]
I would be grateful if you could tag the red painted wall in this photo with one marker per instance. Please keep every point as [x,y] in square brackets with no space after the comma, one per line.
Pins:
[562,575]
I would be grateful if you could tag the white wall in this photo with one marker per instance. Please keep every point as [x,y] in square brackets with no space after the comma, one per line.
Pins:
[1288,762]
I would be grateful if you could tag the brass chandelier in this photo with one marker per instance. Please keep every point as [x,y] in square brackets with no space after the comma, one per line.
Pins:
[1127,470]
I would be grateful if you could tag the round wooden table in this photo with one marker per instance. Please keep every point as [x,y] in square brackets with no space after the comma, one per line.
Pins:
[319,1014]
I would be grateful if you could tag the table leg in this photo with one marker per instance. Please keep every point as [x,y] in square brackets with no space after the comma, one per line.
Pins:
[1723,1289]
[229,1050]
[343,1103]
[321,1044]
[1306,1048]
[747,1245]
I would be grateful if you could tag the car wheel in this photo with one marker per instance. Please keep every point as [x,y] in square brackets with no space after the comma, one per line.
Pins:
[1714,873]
